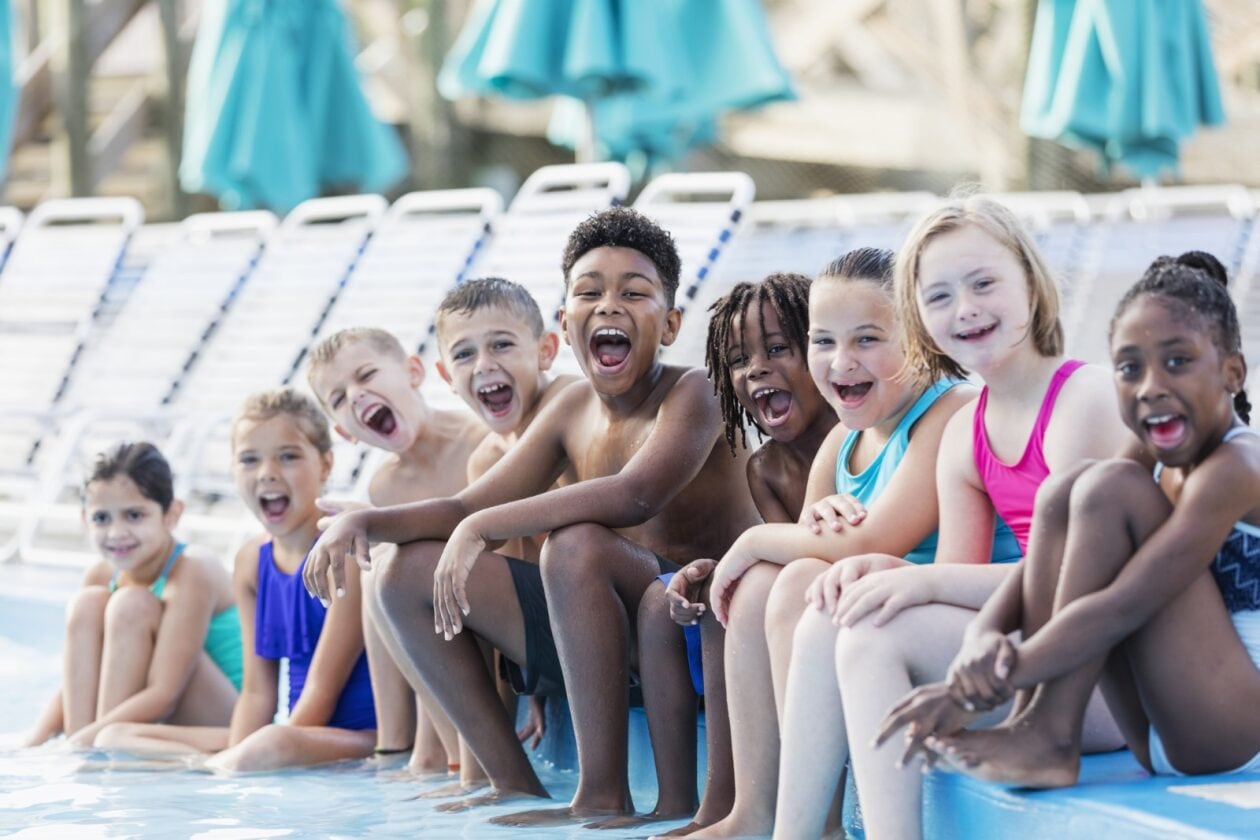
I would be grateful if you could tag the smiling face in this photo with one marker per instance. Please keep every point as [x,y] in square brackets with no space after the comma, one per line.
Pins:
[769,377]
[855,355]
[278,473]
[129,529]
[616,317]
[973,298]
[1173,382]
[496,364]
[371,396]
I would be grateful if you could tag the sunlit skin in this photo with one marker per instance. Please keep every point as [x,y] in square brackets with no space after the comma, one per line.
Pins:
[129,529]
[1134,585]
[372,396]
[278,474]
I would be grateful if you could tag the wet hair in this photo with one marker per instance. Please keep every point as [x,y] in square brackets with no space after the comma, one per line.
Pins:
[788,296]
[1000,223]
[1196,283]
[143,464]
[308,416]
[874,265]
[486,292]
[323,353]
[621,227]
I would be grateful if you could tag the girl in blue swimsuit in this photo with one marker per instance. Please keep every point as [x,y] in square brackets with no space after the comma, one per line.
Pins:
[1153,584]
[153,634]
[283,454]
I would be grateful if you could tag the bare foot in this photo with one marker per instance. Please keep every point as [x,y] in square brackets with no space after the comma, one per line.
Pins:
[453,789]
[635,820]
[682,830]
[733,825]
[1016,754]
[492,797]
[543,817]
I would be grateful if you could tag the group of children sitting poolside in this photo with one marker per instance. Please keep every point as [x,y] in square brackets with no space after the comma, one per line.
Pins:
[1011,575]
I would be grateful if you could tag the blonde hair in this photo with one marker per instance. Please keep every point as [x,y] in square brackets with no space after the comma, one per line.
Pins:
[382,341]
[1000,223]
[308,416]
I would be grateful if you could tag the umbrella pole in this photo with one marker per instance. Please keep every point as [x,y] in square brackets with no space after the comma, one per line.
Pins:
[584,152]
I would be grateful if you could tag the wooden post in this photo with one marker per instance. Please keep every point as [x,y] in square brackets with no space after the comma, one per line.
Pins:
[173,105]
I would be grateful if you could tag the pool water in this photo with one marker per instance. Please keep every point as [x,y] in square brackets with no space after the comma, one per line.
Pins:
[54,792]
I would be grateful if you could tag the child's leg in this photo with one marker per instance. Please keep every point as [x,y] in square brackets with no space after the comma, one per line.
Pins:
[454,671]
[784,609]
[754,723]
[276,746]
[161,739]
[1114,509]
[719,779]
[393,698]
[876,667]
[208,698]
[132,617]
[81,665]
[814,746]
[670,702]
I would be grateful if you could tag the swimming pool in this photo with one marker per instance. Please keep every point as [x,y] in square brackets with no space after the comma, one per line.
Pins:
[51,792]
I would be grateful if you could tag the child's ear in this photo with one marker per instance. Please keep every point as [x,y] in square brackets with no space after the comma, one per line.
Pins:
[548,347]
[343,434]
[173,514]
[415,370]
[443,372]
[564,327]
[326,459]
[673,322]
[1235,373]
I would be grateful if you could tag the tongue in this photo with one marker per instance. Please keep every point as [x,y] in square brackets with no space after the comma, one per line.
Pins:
[274,507]
[778,404]
[612,353]
[499,398]
[384,422]
[854,392]
[1167,434]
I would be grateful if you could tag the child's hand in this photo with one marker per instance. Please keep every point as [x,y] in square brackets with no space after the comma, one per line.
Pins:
[85,737]
[727,574]
[450,599]
[535,722]
[332,507]
[824,593]
[345,537]
[980,674]
[683,592]
[833,513]
[889,591]
[927,711]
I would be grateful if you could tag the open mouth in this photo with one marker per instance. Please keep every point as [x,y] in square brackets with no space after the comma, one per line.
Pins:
[122,550]
[975,333]
[774,405]
[610,349]
[380,419]
[1166,431]
[496,398]
[273,506]
[852,394]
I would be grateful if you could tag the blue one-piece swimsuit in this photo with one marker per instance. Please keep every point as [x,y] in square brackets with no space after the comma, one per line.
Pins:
[1236,570]
[288,622]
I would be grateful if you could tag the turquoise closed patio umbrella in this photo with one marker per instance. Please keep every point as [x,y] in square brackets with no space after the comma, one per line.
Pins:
[9,93]
[649,76]
[1130,79]
[276,111]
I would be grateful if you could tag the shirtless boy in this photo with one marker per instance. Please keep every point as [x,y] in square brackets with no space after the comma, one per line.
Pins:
[369,387]
[655,481]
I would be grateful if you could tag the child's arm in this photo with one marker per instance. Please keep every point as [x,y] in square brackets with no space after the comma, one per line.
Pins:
[339,647]
[256,707]
[769,505]
[1218,493]
[527,469]
[51,721]
[181,634]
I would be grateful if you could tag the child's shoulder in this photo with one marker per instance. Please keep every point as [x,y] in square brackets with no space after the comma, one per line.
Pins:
[488,453]
[1088,384]
[197,566]
[954,409]
[245,564]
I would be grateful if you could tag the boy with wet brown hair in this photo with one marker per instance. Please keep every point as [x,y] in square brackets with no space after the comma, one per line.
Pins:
[657,485]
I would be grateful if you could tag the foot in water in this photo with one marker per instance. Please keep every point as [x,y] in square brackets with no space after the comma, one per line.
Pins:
[730,826]
[544,817]
[452,789]
[492,797]
[1011,754]
[635,820]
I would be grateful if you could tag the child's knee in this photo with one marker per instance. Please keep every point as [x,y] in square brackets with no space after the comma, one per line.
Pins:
[403,576]
[86,609]
[864,643]
[1056,490]
[268,748]
[654,609]
[133,608]
[575,553]
[786,602]
[749,601]
[1107,484]
[814,634]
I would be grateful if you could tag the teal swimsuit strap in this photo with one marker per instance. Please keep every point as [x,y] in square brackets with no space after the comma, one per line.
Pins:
[159,585]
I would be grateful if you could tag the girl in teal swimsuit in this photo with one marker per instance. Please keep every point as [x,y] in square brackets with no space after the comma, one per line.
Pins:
[153,634]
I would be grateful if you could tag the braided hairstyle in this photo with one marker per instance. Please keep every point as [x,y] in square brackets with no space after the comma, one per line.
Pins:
[788,295]
[1196,283]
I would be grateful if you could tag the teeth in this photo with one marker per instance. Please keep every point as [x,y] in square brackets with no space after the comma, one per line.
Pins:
[490,389]
[1159,418]
[271,496]
[764,392]
[610,331]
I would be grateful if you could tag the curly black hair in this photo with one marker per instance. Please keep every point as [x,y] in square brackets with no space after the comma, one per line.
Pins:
[621,227]
[1196,282]
[788,295]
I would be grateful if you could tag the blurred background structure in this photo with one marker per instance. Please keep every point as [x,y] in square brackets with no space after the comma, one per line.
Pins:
[866,95]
